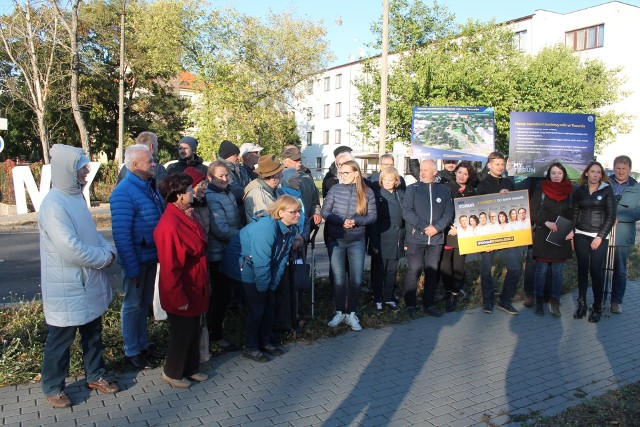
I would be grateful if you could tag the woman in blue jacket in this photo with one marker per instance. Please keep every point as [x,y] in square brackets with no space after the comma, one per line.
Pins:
[347,209]
[255,259]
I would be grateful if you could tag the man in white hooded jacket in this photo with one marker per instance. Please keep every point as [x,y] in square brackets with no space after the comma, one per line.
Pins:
[75,291]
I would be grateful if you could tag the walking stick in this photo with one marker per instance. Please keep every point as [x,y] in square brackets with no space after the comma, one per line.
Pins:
[608,273]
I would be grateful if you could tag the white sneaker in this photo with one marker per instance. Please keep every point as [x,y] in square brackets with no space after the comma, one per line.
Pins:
[379,306]
[392,305]
[337,319]
[352,320]
[616,308]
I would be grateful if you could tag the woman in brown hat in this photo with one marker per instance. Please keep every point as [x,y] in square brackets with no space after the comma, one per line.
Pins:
[263,191]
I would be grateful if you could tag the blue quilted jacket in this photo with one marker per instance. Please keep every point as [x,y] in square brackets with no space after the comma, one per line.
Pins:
[136,208]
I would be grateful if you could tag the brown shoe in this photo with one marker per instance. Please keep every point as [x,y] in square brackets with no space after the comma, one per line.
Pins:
[199,377]
[104,386]
[555,308]
[528,301]
[60,400]
[181,383]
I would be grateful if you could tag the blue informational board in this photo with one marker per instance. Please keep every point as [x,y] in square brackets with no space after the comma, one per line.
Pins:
[458,133]
[539,139]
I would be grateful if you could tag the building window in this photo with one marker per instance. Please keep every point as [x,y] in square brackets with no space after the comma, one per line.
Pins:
[585,38]
[520,39]
[327,83]
[338,137]
[325,137]
[338,109]
[309,137]
[319,163]
[326,111]
[338,81]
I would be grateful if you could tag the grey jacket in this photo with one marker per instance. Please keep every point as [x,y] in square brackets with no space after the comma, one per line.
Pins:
[225,221]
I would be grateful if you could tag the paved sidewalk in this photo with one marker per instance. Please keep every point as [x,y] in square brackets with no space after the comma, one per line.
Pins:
[463,369]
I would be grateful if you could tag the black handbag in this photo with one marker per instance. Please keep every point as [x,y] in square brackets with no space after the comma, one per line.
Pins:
[301,274]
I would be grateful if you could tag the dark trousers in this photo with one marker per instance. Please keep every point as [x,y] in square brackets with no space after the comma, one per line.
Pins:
[260,306]
[383,278]
[221,291]
[452,270]
[57,354]
[590,262]
[529,272]
[183,352]
[284,303]
[513,263]
[421,258]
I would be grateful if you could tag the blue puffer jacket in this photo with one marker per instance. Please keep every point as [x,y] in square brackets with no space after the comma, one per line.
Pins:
[340,204]
[259,253]
[628,213]
[136,208]
[225,221]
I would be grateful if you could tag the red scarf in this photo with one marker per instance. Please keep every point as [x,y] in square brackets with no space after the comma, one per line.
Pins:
[557,191]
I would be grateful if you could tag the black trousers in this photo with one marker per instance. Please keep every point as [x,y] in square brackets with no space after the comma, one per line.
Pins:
[183,352]
[452,270]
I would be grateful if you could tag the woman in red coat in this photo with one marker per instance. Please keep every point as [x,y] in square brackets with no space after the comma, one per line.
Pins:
[184,289]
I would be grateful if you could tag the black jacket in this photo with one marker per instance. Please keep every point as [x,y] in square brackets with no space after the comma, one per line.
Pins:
[491,184]
[454,187]
[543,210]
[596,212]
[424,205]
[386,235]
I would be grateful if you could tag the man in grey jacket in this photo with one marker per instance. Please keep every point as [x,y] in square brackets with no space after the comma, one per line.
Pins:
[428,210]
[75,291]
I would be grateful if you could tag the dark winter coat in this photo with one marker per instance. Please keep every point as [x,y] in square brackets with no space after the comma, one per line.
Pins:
[424,205]
[340,204]
[386,235]
[543,210]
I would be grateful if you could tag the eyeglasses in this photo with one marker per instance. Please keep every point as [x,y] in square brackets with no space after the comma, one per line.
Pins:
[293,212]
[346,173]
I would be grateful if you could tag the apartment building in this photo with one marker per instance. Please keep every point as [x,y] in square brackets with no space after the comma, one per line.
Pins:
[600,32]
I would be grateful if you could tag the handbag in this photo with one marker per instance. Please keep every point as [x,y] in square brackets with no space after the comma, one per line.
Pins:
[158,311]
[300,273]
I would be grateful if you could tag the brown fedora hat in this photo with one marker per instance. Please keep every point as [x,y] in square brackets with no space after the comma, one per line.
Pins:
[268,165]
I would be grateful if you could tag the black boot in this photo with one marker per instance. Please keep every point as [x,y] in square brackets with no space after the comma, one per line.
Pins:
[581,311]
[594,315]
[452,303]
[539,307]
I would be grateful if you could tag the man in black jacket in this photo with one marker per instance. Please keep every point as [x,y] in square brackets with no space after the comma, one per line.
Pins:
[495,183]
[428,210]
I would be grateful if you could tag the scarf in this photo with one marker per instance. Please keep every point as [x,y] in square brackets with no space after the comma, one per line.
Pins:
[557,191]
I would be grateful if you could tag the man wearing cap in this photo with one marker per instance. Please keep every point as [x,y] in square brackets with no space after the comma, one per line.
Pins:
[149,139]
[263,191]
[331,178]
[292,159]
[250,154]
[187,156]
[229,153]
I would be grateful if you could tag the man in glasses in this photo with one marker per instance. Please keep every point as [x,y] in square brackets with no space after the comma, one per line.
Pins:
[386,161]
[331,178]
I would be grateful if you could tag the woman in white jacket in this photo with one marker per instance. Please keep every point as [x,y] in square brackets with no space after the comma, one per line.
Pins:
[75,291]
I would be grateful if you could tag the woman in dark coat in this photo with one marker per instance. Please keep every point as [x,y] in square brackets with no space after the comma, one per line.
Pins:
[549,201]
[184,280]
[386,238]
[594,214]
[452,263]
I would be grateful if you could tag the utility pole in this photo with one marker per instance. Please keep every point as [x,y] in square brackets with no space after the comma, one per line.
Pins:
[120,153]
[382,147]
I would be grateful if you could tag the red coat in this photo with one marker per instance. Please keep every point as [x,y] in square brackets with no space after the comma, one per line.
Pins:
[182,250]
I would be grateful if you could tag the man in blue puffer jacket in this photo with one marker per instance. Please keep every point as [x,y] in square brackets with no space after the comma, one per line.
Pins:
[428,210]
[136,208]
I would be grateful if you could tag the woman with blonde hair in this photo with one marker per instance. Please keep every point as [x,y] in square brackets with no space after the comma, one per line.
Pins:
[255,260]
[347,209]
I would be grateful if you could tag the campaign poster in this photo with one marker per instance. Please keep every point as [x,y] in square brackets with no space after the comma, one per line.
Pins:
[540,139]
[458,133]
[493,221]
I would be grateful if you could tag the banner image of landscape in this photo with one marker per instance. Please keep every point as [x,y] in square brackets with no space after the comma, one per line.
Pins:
[539,139]
[493,221]
[459,133]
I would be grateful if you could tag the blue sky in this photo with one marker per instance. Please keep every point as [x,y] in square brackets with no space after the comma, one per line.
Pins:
[348,21]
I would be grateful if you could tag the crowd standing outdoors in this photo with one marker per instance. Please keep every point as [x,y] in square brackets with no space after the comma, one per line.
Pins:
[232,231]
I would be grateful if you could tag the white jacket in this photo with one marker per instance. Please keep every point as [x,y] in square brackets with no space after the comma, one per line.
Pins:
[75,290]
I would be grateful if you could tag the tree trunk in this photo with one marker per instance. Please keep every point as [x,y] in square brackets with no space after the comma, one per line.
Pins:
[43,132]
[75,105]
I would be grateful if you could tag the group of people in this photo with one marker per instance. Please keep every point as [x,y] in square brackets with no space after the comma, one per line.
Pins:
[234,230]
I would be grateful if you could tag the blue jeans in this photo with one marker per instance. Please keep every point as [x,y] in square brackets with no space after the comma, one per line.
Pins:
[135,309]
[590,263]
[261,308]
[619,274]
[57,354]
[354,251]
[541,279]
[512,261]
[421,257]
